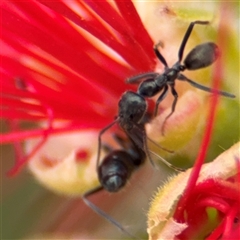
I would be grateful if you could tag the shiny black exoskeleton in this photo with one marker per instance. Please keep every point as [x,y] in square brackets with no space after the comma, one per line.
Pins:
[117,167]
[153,83]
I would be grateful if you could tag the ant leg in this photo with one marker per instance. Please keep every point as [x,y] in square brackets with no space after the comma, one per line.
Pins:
[167,163]
[159,55]
[174,93]
[204,88]
[100,142]
[101,212]
[186,36]
[141,77]
[139,138]
[161,97]
[157,145]
[146,150]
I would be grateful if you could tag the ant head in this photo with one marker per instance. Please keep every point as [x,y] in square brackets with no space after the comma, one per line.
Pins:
[132,108]
[202,56]
[115,170]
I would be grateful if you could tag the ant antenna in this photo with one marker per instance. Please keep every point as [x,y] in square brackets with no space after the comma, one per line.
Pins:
[100,142]
[160,147]
[102,213]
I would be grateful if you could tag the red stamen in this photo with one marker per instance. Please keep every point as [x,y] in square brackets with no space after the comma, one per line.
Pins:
[215,202]
[63,66]
[74,126]
[131,16]
[218,187]
[20,163]
[228,226]
[122,26]
[101,32]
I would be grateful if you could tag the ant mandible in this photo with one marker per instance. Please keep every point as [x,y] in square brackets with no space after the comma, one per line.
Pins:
[199,57]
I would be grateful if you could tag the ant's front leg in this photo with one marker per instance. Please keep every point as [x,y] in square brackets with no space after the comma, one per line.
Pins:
[175,95]
[186,36]
[161,97]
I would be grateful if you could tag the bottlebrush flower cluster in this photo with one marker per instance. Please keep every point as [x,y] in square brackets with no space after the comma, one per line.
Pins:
[63,69]
[66,62]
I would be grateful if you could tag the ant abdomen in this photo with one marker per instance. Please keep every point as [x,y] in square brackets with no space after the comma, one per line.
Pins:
[115,170]
[201,56]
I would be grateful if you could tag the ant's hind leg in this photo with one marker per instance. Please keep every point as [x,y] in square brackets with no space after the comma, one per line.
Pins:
[175,95]
[161,97]
[204,88]
[186,36]
[100,141]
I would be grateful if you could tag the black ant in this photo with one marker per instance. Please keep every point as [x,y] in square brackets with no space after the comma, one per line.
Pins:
[199,57]
[116,169]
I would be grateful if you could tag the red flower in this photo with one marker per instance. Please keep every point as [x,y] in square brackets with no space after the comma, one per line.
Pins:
[63,69]
[209,211]
[66,61]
